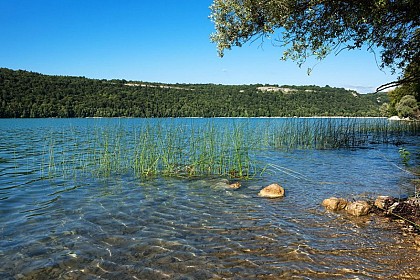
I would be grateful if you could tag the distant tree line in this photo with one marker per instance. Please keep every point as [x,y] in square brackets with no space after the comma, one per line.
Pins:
[26,94]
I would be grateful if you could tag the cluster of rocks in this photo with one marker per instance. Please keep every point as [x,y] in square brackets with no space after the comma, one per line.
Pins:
[356,208]
[361,208]
[407,210]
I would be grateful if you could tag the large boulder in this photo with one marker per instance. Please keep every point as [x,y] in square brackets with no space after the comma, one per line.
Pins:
[358,208]
[272,191]
[334,204]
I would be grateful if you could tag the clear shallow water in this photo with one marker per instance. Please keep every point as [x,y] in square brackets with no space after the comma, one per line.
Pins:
[126,227]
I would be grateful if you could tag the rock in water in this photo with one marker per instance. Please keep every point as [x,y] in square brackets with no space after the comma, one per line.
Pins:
[235,185]
[384,202]
[358,208]
[334,204]
[272,191]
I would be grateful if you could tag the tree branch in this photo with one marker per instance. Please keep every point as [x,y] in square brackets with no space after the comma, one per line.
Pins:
[407,80]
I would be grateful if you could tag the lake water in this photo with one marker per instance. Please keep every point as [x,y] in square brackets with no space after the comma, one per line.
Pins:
[59,219]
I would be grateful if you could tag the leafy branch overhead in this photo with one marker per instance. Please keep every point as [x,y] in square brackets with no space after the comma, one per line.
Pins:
[318,28]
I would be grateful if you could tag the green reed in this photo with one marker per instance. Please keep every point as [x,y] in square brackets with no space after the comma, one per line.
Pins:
[333,133]
[169,149]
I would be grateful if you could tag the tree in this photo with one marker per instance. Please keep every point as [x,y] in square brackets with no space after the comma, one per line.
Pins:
[407,107]
[320,27]
[384,110]
[407,89]
[57,96]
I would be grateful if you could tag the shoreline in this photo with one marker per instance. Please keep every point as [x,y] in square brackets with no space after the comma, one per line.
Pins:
[313,117]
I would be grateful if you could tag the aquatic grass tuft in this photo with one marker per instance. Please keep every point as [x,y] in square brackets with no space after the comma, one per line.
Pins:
[164,148]
[338,133]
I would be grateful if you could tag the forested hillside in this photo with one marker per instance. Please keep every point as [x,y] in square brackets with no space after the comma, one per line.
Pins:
[26,94]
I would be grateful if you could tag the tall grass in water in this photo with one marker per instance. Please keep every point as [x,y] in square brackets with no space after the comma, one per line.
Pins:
[337,133]
[180,149]
[151,150]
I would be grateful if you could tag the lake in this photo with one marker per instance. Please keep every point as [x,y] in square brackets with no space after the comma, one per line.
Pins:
[145,199]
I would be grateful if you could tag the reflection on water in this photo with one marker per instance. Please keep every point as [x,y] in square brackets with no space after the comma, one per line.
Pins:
[124,227]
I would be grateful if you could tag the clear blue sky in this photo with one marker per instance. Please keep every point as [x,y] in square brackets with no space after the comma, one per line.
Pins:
[155,41]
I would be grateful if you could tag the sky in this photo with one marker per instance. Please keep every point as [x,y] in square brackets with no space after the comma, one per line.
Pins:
[157,41]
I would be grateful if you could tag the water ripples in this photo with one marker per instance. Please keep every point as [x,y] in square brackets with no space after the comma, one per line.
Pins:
[185,229]
[123,227]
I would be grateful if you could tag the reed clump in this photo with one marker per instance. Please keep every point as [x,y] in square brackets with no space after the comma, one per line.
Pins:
[153,148]
[338,133]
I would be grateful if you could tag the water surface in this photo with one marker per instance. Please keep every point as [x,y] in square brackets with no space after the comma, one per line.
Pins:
[128,227]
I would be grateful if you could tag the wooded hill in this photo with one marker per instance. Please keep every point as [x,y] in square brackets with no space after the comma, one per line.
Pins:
[26,94]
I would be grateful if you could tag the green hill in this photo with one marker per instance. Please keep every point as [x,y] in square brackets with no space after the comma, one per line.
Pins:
[32,95]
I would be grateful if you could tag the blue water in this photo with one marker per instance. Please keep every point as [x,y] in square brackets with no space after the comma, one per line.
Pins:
[78,225]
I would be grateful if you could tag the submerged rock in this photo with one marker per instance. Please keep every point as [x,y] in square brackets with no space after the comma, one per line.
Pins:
[272,191]
[334,203]
[358,208]
[235,185]
[221,184]
[225,184]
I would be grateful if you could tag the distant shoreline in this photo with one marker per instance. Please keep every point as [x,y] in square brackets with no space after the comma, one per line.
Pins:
[32,95]
[313,117]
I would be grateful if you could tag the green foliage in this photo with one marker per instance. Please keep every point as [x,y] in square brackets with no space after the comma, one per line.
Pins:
[405,155]
[31,95]
[397,94]
[407,107]
[318,28]
[384,110]
[409,86]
